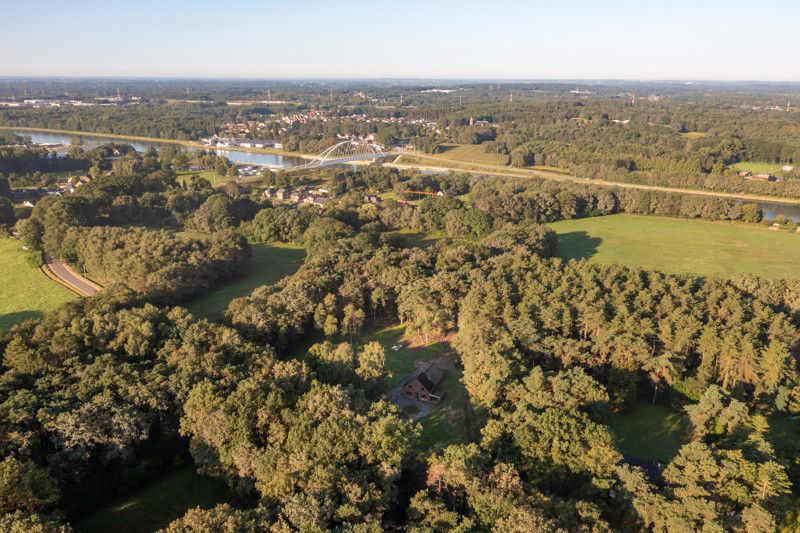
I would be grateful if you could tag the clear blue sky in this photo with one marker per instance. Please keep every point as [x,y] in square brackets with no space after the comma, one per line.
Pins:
[653,39]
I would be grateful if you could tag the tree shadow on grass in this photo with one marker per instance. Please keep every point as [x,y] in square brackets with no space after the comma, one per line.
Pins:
[411,240]
[577,245]
[9,319]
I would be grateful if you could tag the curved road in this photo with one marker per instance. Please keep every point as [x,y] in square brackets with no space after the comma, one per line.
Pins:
[70,277]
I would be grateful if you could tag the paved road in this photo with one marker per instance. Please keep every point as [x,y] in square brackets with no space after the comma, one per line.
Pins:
[489,170]
[68,276]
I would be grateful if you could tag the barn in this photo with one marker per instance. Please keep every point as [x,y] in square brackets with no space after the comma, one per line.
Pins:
[423,383]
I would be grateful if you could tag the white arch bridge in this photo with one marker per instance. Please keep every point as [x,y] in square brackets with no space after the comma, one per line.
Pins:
[346,152]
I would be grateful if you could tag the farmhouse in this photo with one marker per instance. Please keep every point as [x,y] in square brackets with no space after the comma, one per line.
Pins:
[423,383]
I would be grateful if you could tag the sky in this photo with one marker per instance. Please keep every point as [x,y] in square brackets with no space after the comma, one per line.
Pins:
[490,39]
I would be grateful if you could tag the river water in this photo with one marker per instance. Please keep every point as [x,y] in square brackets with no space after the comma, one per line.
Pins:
[236,156]
[774,209]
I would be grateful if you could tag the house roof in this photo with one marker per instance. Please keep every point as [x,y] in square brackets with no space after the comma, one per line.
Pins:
[429,376]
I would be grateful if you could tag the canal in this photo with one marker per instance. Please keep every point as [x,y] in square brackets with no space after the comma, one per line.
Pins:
[770,209]
[236,156]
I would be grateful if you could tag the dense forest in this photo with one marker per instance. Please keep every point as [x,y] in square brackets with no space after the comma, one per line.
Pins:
[288,398]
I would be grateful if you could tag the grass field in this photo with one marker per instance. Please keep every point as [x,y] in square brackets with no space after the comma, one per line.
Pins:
[757,167]
[447,423]
[270,263]
[694,134]
[25,292]
[156,505]
[673,245]
[471,153]
[210,175]
[405,238]
[650,432]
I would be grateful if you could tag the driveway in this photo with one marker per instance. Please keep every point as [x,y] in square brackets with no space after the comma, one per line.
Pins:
[407,405]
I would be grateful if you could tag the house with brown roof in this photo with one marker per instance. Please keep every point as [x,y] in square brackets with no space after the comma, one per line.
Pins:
[423,384]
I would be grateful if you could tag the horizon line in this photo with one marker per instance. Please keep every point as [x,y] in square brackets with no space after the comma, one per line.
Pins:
[388,78]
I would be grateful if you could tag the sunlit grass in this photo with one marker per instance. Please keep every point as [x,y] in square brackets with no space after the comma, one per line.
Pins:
[270,263]
[757,167]
[25,292]
[681,246]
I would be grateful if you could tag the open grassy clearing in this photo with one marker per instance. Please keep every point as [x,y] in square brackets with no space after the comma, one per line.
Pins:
[680,246]
[471,153]
[406,238]
[211,175]
[157,504]
[270,263]
[694,134]
[757,167]
[448,422]
[25,292]
[649,432]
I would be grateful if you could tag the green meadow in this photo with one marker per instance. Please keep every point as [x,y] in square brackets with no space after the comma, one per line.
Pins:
[680,246]
[25,292]
[270,263]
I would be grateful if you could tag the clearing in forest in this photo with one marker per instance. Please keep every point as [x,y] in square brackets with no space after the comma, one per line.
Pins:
[158,503]
[448,421]
[471,153]
[757,167]
[270,263]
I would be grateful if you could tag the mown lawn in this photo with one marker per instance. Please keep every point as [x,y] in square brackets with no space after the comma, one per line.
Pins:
[157,504]
[471,153]
[673,245]
[25,292]
[650,432]
[447,423]
[270,263]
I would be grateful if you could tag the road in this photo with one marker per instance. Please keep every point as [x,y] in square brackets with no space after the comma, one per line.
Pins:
[80,284]
[489,170]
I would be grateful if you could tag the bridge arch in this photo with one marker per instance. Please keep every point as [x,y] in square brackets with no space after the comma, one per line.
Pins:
[345,152]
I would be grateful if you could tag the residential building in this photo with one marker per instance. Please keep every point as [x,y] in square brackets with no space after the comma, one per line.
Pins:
[423,384]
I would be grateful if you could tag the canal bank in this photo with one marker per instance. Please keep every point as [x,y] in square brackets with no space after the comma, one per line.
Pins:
[243,156]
